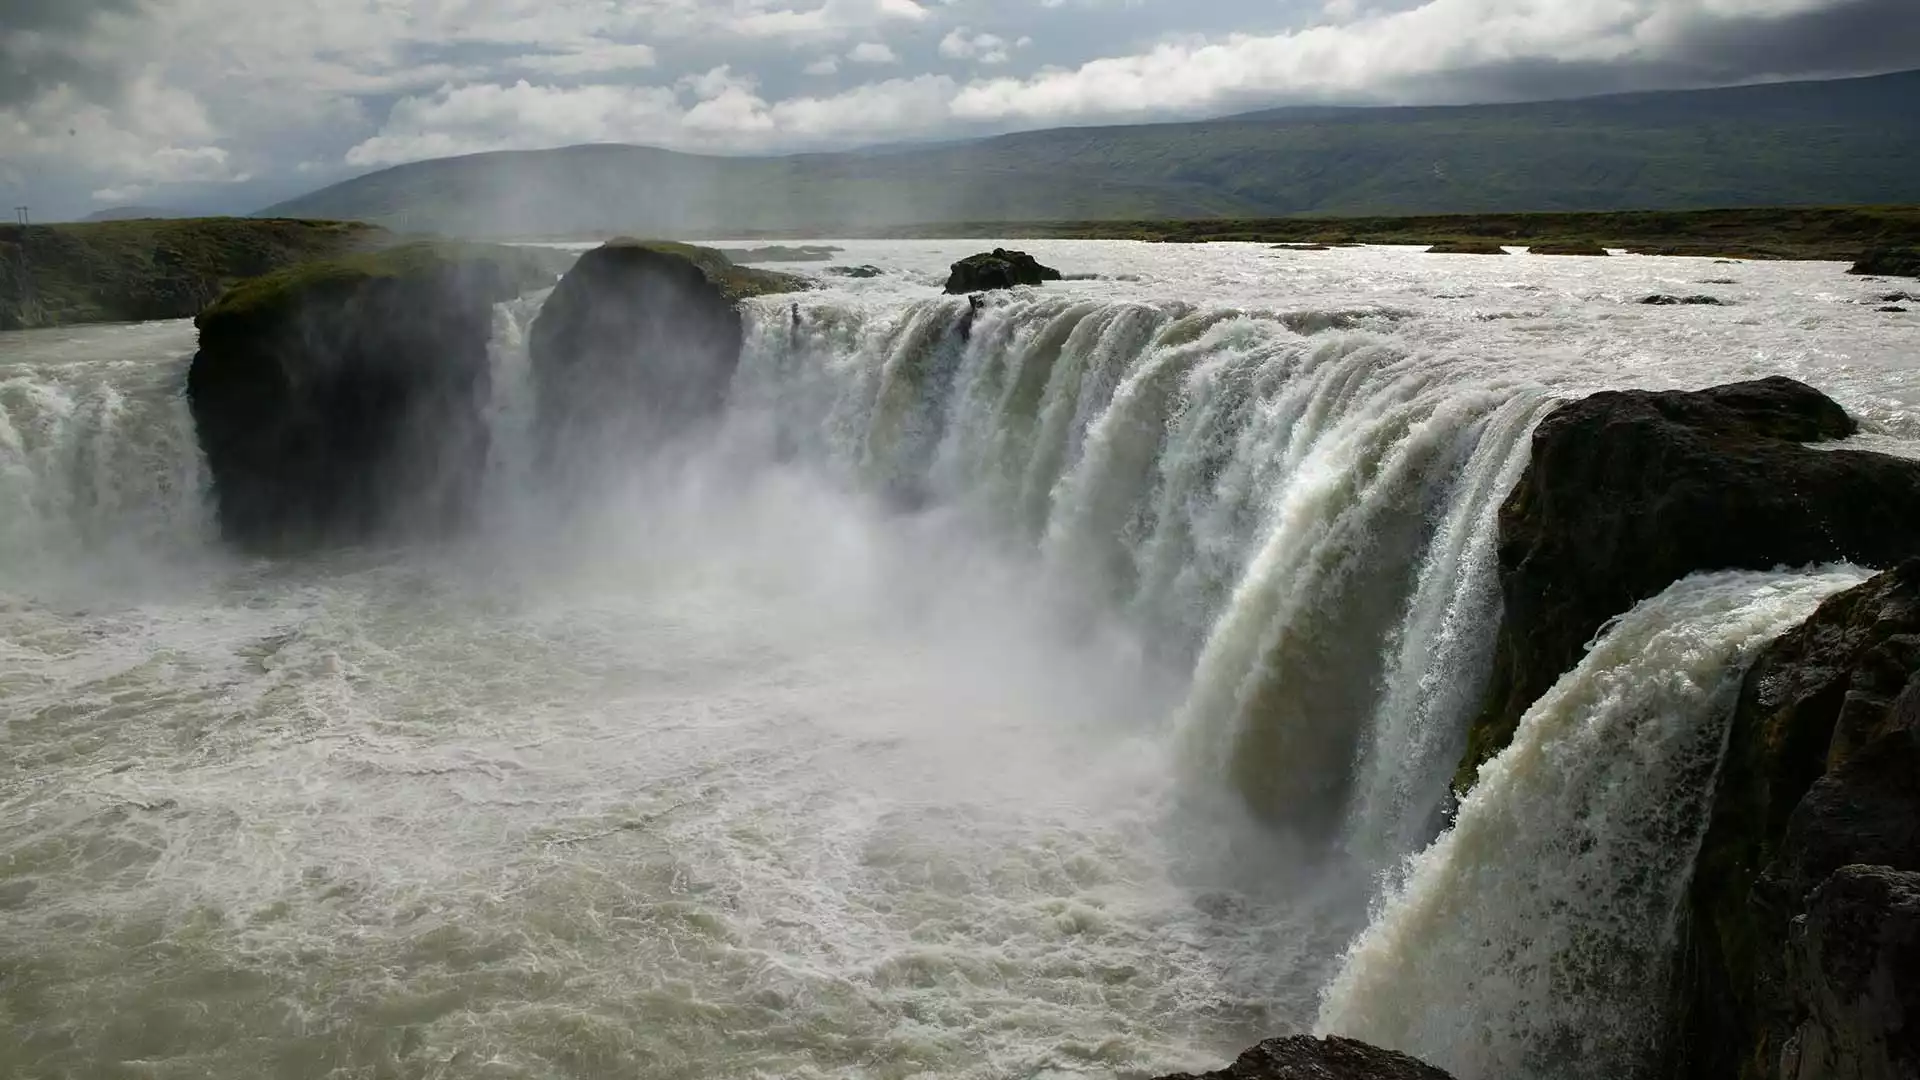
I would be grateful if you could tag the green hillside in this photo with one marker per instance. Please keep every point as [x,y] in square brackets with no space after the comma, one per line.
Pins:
[124,271]
[1822,143]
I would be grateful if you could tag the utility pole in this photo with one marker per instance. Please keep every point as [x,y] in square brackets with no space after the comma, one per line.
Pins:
[22,216]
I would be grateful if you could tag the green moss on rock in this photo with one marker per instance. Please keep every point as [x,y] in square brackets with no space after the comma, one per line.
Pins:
[735,282]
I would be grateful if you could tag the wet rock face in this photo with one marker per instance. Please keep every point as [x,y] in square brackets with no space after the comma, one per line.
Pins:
[1305,1058]
[1630,491]
[635,345]
[998,269]
[342,402]
[1854,963]
[1819,776]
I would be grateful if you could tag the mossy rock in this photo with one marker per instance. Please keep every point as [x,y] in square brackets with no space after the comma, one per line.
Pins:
[735,282]
[343,401]
[638,344]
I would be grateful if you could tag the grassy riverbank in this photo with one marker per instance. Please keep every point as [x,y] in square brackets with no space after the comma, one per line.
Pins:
[123,271]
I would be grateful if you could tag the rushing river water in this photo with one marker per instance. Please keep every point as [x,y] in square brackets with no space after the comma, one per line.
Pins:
[1077,698]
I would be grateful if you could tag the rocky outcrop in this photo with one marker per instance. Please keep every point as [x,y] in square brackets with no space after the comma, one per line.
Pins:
[339,402]
[998,269]
[1628,492]
[1854,964]
[639,342]
[1304,1058]
[1467,247]
[1889,262]
[1787,936]
[1696,300]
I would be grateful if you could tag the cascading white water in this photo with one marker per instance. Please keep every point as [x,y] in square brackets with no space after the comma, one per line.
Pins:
[1306,518]
[99,457]
[1534,938]
[907,725]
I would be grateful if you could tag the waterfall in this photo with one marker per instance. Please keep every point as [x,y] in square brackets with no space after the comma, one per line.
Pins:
[1296,508]
[1535,937]
[97,459]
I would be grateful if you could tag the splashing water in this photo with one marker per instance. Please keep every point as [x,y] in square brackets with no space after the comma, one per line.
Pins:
[1044,697]
[1535,937]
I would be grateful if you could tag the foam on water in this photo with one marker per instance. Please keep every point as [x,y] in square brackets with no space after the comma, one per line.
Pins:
[1041,699]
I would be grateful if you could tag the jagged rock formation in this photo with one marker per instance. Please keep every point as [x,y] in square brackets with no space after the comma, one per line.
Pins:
[997,269]
[1793,966]
[1304,1058]
[639,342]
[1630,491]
[339,402]
[1854,964]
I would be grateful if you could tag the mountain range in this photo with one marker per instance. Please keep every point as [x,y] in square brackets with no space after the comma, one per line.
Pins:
[1834,142]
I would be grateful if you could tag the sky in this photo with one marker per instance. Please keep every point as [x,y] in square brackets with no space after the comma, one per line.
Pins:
[229,105]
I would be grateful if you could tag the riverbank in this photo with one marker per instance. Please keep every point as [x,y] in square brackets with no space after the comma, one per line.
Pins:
[1837,234]
[128,271]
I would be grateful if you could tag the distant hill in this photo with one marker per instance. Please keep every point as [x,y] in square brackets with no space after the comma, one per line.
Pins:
[1853,141]
[133,213]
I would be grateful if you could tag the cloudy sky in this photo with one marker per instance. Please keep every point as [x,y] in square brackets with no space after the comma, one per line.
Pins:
[232,104]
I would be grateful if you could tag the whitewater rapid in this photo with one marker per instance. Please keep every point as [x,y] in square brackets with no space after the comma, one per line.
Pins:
[1074,695]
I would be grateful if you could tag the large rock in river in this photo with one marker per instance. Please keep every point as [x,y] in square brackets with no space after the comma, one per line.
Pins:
[998,269]
[1628,492]
[341,401]
[1304,1058]
[1889,262]
[639,342]
[1799,962]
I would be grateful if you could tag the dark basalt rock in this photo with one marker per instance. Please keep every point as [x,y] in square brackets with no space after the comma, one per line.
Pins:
[637,343]
[1854,964]
[1900,298]
[1628,492]
[1893,309]
[1304,1058]
[1889,262]
[1665,300]
[1819,776]
[861,272]
[339,402]
[998,269]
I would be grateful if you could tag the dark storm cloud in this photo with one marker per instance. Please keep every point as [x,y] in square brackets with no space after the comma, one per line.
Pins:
[1853,37]
[1860,36]
[40,46]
